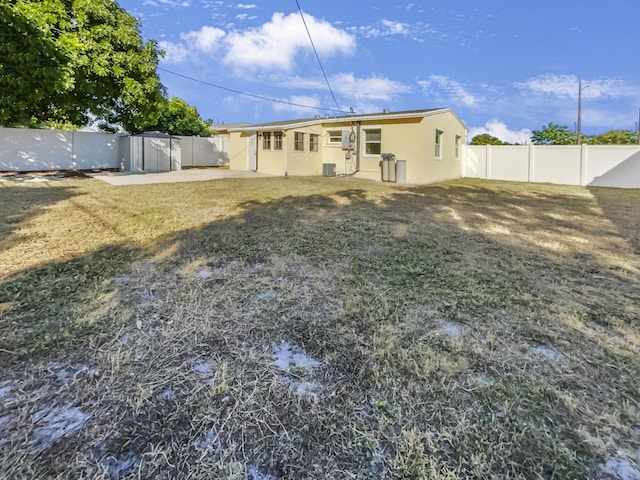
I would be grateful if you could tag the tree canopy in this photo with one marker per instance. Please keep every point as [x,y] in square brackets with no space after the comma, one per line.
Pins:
[71,62]
[176,117]
[553,134]
[614,137]
[486,139]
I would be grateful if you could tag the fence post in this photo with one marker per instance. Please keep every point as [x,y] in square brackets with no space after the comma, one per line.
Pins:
[488,163]
[532,159]
[584,156]
[73,164]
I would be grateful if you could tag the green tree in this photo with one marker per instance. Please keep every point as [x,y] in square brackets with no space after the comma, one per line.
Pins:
[615,137]
[176,117]
[486,139]
[33,69]
[553,134]
[73,61]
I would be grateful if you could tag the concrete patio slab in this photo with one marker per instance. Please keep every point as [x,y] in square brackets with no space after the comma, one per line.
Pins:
[190,175]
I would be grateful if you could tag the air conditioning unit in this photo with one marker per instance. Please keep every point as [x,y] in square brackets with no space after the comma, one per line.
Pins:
[328,169]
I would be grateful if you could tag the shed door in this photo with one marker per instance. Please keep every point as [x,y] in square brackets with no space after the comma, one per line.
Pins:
[252,152]
[157,155]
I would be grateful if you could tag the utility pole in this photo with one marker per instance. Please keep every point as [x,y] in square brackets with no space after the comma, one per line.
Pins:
[579,110]
[638,128]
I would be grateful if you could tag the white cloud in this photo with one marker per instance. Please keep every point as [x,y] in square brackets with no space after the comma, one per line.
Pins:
[359,93]
[207,39]
[174,52]
[245,16]
[169,3]
[449,90]
[275,44]
[246,6]
[271,46]
[499,129]
[566,86]
[301,102]
[395,28]
[384,28]
[371,88]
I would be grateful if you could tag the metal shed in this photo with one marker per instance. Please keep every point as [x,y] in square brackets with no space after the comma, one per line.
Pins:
[149,152]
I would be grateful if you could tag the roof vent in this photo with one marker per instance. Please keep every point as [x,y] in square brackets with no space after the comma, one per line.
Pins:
[386,110]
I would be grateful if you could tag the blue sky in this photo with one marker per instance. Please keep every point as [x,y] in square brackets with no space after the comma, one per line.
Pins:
[505,67]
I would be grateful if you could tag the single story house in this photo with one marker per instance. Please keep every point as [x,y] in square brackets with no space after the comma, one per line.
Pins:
[429,141]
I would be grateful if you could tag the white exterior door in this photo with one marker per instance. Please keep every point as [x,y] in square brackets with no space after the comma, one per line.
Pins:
[252,152]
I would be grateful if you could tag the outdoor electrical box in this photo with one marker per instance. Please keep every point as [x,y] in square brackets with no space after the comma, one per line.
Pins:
[348,140]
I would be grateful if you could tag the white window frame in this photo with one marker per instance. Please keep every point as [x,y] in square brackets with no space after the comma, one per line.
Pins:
[278,140]
[458,146]
[367,131]
[314,140]
[438,144]
[298,141]
[266,140]
[334,137]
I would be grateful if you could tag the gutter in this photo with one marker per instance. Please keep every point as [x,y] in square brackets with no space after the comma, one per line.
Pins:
[358,125]
[346,119]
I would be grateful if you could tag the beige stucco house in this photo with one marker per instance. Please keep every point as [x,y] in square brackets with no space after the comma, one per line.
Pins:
[429,141]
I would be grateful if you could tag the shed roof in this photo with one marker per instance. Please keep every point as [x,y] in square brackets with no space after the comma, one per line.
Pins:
[155,134]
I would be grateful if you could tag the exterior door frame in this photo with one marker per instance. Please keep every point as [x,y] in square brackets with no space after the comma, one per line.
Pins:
[252,152]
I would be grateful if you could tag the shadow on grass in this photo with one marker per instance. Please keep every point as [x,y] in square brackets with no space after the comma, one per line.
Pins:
[19,204]
[45,310]
[432,244]
[363,279]
[620,206]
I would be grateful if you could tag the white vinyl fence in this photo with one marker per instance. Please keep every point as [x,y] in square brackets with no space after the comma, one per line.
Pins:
[41,150]
[29,149]
[596,165]
[204,152]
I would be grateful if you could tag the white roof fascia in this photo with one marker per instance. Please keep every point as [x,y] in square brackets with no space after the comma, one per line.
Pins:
[346,119]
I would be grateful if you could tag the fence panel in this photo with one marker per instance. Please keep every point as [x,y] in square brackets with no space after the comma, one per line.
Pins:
[597,165]
[613,167]
[31,149]
[94,150]
[205,152]
[509,163]
[556,164]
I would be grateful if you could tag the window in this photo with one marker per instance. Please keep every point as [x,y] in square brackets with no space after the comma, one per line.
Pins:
[335,136]
[457,144]
[313,142]
[277,140]
[438,151]
[266,140]
[373,141]
[298,142]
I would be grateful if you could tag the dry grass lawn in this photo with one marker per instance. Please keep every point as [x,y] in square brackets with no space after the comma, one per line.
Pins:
[318,328]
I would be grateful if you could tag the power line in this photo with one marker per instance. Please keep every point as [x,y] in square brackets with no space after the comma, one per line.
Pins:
[318,57]
[260,97]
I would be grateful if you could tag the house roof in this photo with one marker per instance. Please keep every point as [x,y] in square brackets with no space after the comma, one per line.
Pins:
[227,126]
[285,124]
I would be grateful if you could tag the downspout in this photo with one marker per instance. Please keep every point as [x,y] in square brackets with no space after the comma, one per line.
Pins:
[286,153]
[258,135]
[357,147]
